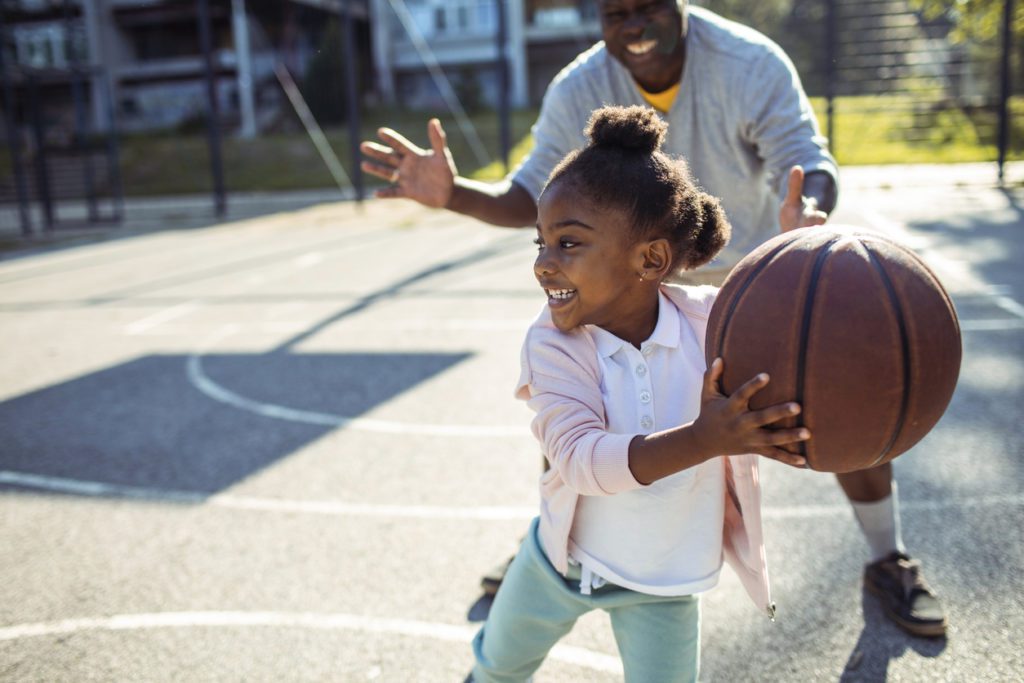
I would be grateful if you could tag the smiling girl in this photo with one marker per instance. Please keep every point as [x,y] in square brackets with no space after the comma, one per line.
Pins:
[653,477]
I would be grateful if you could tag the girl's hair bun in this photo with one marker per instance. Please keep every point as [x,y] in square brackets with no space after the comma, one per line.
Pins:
[632,128]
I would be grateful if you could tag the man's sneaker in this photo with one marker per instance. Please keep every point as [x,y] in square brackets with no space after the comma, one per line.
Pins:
[492,579]
[905,595]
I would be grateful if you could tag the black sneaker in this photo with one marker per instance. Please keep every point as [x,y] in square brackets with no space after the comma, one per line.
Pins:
[905,595]
[492,579]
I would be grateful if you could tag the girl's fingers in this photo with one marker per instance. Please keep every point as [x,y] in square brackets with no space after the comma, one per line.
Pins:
[785,457]
[749,388]
[711,378]
[779,437]
[771,414]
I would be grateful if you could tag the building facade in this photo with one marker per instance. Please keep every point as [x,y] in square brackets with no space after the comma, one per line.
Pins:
[414,41]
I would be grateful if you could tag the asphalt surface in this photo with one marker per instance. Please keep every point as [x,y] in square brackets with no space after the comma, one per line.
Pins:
[285,448]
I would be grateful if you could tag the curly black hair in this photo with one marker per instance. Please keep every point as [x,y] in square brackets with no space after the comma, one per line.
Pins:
[624,167]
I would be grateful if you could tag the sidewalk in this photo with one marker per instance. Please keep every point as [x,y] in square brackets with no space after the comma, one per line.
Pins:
[147,214]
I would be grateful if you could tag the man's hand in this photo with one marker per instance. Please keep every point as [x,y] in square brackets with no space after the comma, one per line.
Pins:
[423,175]
[798,211]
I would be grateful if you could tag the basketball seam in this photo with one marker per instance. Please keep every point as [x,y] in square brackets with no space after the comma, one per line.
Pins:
[805,332]
[904,349]
[738,296]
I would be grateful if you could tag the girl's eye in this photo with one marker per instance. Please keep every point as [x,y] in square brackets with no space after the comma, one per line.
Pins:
[567,244]
[539,242]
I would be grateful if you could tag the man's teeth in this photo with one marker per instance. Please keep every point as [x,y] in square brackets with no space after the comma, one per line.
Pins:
[642,48]
[560,293]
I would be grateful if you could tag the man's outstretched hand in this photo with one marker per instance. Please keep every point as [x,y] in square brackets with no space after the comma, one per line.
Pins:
[423,175]
[798,211]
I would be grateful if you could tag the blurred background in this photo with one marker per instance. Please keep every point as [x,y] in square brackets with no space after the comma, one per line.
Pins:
[105,100]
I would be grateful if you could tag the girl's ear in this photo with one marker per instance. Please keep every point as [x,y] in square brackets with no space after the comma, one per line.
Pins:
[657,258]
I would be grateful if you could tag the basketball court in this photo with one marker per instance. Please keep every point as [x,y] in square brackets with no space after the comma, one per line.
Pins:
[285,448]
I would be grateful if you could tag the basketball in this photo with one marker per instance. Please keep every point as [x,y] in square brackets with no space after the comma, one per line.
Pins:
[851,325]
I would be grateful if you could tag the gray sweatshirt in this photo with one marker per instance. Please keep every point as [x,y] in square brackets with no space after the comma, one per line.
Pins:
[741,120]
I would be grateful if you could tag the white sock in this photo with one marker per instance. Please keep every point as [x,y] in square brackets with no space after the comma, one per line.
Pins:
[880,522]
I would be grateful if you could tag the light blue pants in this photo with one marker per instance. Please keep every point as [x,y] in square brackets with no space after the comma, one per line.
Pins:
[658,637]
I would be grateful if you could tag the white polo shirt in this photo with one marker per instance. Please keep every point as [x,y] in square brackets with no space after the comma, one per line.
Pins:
[666,538]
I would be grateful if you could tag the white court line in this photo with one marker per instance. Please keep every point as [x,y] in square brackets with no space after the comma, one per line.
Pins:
[211,389]
[160,317]
[489,513]
[309,620]
[991,325]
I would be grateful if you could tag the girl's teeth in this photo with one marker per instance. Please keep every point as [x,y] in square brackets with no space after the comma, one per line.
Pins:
[560,293]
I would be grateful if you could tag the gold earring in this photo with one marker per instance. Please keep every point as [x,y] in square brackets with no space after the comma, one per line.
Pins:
[643,274]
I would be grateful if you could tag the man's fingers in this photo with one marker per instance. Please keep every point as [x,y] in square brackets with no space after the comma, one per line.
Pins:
[390,192]
[400,145]
[438,138]
[382,171]
[816,218]
[795,187]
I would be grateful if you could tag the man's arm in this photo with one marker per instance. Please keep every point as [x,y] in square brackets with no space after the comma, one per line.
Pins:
[504,204]
[820,188]
[429,176]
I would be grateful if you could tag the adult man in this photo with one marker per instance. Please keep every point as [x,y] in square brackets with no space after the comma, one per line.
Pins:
[738,115]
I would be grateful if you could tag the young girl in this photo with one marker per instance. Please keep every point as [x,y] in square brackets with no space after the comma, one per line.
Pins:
[638,508]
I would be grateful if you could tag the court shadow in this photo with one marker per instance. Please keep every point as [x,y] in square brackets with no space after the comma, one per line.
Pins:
[171,423]
[881,642]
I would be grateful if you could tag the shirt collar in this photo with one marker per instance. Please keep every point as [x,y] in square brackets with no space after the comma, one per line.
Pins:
[666,331]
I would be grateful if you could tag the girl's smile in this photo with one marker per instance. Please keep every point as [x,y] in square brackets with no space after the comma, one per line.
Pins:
[588,266]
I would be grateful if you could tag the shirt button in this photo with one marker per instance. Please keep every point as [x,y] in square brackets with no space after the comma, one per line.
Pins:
[645,397]
[641,370]
[646,422]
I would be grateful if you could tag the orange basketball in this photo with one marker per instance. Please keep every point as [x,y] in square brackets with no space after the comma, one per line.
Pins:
[851,325]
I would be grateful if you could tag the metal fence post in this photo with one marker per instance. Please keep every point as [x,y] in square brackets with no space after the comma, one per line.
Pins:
[352,92]
[831,70]
[14,142]
[213,117]
[1004,86]
[503,99]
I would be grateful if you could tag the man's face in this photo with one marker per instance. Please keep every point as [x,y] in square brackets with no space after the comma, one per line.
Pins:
[647,37]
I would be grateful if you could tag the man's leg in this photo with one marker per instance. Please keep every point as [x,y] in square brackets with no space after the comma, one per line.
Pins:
[891,575]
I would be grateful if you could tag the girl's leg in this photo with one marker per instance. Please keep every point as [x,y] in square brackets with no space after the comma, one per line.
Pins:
[532,610]
[659,640]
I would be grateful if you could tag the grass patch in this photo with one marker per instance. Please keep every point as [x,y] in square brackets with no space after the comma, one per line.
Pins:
[868,130]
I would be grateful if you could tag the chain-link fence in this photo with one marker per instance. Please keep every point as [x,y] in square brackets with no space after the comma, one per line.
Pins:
[296,83]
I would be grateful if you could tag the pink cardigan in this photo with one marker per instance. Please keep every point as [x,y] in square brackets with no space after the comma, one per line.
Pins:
[561,381]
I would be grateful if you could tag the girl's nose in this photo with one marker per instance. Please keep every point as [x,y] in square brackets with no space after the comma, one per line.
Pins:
[542,265]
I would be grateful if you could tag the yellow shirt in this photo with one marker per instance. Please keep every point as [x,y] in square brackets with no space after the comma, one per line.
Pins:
[663,100]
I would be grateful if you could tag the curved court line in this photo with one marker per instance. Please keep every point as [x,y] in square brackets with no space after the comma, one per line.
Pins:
[96,489]
[309,620]
[499,513]
[201,381]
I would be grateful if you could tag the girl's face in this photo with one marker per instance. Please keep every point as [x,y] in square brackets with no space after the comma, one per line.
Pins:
[590,269]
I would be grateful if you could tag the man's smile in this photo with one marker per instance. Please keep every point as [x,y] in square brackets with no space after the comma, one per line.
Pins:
[641,47]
